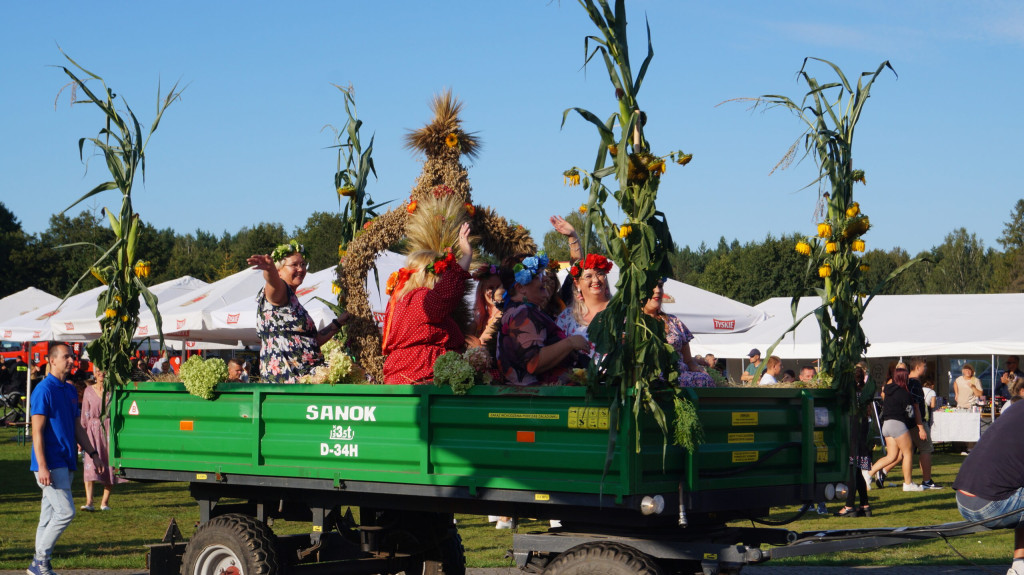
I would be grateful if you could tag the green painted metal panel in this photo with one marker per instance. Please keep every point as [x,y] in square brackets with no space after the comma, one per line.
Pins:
[541,439]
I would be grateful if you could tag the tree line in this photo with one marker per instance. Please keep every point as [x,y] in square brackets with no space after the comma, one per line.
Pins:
[749,273]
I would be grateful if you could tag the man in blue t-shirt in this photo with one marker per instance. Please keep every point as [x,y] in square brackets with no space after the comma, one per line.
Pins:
[56,432]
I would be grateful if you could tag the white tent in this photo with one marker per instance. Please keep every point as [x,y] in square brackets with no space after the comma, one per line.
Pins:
[35,326]
[895,325]
[702,311]
[24,302]
[85,324]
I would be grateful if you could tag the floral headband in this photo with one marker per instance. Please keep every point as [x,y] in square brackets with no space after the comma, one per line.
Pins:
[485,271]
[284,250]
[592,262]
[530,268]
[397,279]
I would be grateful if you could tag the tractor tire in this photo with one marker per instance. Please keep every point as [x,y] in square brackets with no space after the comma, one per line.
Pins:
[232,544]
[603,558]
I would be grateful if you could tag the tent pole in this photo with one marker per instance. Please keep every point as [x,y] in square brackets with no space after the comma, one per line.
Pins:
[992,397]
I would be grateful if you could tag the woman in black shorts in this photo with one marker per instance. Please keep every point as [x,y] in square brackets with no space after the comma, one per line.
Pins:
[899,416]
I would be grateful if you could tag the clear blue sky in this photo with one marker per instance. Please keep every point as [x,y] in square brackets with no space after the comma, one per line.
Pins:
[245,143]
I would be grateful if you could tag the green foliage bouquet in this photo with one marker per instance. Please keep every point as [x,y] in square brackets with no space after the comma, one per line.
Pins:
[461,371]
[339,367]
[201,376]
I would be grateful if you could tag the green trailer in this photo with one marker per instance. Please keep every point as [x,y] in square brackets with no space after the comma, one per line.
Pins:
[410,456]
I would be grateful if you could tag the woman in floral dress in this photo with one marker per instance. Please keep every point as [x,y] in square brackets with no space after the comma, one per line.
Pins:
[678,336]
[290,342]
[532,350]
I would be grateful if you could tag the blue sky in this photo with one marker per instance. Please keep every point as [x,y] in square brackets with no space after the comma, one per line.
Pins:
[940,144]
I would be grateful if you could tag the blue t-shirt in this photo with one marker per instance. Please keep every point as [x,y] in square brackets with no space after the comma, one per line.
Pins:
[58,401]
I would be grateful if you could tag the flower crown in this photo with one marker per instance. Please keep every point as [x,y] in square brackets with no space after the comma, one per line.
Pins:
[485,271]
[592,262]
[284,250]
[397,279]
[530,268]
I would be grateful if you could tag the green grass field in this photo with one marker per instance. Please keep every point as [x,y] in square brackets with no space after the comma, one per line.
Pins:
[141,512]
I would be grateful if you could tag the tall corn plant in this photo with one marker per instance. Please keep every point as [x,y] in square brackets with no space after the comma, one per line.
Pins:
[350,180]
[831,112]
[633,344]
[122,143]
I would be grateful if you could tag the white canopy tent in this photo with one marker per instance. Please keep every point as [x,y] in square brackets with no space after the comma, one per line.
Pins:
[957,325]
[85,324]
[24,302]
[35,326]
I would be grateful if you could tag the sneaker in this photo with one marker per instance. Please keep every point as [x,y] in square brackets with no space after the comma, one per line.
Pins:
[88,508]
[39,568]
[867,478]
[822,510]
[105,508]
[930,485]
[913,487]
[499,524]
[880,479]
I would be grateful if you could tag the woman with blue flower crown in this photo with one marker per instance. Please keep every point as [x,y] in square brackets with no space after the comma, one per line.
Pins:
[290,342]
[532,350]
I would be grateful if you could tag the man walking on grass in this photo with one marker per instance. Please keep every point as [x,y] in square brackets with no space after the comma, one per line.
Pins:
[56,432]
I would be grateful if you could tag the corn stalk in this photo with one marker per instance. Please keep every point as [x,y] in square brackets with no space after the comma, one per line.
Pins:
[830,112]
[633,345]
[122,143]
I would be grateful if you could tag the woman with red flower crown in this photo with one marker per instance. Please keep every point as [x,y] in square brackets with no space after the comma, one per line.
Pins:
[418,323]
[591,294]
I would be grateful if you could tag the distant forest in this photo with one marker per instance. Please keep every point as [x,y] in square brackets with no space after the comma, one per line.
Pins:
[749,273]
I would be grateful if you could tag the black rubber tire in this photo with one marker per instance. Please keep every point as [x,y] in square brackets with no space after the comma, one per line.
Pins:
[603,558]
[232,544]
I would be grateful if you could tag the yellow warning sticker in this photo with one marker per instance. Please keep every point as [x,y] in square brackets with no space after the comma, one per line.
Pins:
[711,556]
[200,476]
[744,456]
[819,437]
[541,497]
[741,438]
[317,529]
[744,418]
[553,416]
[822,454]
[588,418]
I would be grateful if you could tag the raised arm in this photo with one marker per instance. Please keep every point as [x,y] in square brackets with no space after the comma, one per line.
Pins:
[276,291]
[566,229]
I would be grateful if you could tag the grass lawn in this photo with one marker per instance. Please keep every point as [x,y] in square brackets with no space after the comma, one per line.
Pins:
[117,539]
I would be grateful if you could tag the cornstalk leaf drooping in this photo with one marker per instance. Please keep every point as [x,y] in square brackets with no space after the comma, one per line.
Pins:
[123,146]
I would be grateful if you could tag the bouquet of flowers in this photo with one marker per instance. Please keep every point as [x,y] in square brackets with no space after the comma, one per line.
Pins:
[462,371]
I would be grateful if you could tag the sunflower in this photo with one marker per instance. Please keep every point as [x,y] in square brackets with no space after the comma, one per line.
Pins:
[451,140]
[825,271]
[824,230]
[831,247]
[803,248]
[571,177]
[684,159]
[625,230]
[335,288]
[142,268]
[470,209]
[853,210]
[583,208]
[858,245]
[411,208]
[346,191]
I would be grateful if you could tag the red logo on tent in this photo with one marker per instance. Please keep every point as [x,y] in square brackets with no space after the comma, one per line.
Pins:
[48,315]
[179,323]
[723,324]
[306,291]
[190,344]
[7,333]
[69,326]
[143,330]
[194,300]
[233,317]
[378,317]
[36,334]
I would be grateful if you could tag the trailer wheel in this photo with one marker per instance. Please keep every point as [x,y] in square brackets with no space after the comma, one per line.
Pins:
[232,544]
[603,558]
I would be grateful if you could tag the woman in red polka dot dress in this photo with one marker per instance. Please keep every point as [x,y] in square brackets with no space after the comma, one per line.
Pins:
[418,323]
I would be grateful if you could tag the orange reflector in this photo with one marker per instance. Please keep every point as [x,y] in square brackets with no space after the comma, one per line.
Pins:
[185,425]
[525,436]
